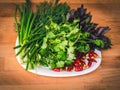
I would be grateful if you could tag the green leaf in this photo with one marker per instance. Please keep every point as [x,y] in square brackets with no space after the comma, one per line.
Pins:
[43,61]
[51,35]
[43,51]
[99,43]
[60,64]
[84,47]
[61,55]
[44,45]
[46,27]
[68,62]
[70,53]
[86,34]
[87,20]
[56,48]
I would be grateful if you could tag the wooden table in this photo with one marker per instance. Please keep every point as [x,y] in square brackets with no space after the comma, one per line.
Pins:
[106,77]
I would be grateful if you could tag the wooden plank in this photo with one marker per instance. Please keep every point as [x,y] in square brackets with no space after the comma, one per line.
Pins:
[106,77]
[7,9]
[68,1]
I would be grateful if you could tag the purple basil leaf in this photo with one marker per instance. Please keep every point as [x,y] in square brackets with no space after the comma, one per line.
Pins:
[102,30]
[106,29]
[93,36]
[99,31]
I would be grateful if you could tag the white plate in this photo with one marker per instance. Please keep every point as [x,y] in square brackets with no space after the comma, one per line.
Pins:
[45,71]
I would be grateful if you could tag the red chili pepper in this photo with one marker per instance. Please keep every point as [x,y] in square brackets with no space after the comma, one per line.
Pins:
[82,59]
[76,63]
[90,55]
[69,68]
[56,69]
[89,64]
[94,61]
[89,59]
[78,68]
[82,63]
[95,55]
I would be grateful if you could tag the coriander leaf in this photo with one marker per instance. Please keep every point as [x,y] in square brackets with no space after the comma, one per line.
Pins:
[51,35]
[68,62]
[70,52]
[60,64]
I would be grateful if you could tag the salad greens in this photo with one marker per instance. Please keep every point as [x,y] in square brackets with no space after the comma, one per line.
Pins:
[58,48]
[48,38]
[96,33]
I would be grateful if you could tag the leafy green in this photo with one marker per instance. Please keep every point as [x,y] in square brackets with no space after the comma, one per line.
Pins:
[61,42]
[45,37]
[96,34]
[53,9]
[98,43]
[32,29]
[59,48]
[60,64]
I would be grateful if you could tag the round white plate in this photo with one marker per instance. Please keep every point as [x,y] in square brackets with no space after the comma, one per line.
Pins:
[47,72]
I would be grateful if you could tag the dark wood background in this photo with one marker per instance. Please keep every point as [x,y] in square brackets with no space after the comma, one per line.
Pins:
[106,77]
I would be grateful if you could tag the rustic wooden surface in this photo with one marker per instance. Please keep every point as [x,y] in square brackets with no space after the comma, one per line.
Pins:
[106,77]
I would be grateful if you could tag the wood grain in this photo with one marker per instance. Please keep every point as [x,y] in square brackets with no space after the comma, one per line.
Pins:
[68,1]
[106,77]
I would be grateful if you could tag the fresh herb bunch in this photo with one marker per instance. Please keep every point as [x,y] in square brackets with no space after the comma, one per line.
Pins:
[29,38]
[46,37]
[59,45]
[96,33]
[31,28]
[52,9]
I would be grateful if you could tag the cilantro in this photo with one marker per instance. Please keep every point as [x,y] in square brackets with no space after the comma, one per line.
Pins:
[60,64]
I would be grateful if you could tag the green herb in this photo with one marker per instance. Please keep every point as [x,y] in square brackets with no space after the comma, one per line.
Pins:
[46,38]
[32,31]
